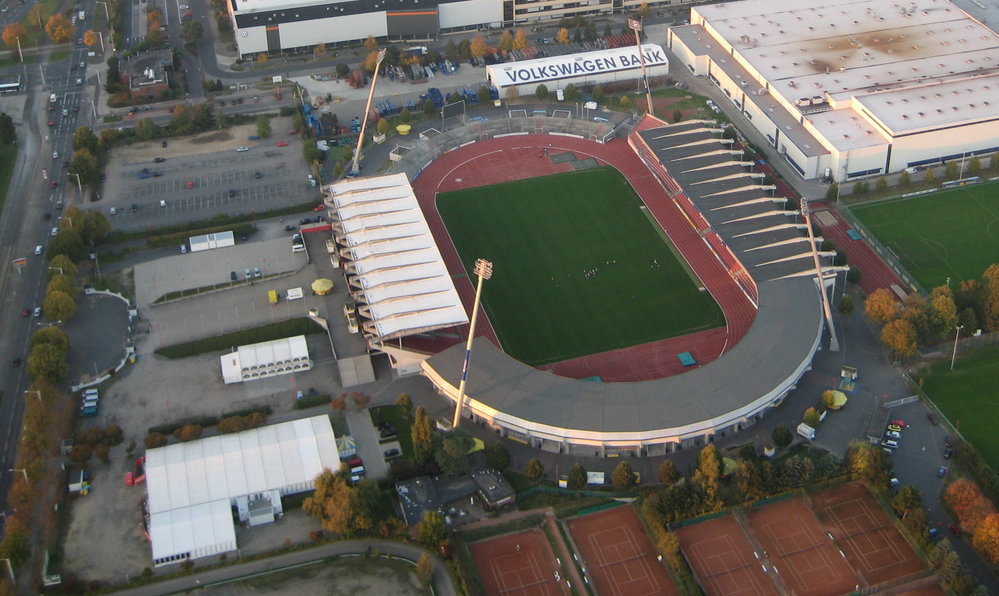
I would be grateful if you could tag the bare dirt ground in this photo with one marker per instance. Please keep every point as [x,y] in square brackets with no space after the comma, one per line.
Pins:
[206,142]
[340,577]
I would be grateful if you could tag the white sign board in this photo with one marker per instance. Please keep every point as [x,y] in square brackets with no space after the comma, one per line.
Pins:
[576,65]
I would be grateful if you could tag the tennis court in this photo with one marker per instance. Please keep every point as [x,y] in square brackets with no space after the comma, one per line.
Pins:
[864,531]
[723,560]
[520,564]
[619,555]
[951,233]
[801,552]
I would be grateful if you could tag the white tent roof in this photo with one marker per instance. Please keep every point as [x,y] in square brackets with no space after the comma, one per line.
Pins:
[391,257]
[190,483]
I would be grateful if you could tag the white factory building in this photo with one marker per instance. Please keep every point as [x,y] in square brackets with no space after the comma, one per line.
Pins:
[854,88]
[585,68]
[198,489]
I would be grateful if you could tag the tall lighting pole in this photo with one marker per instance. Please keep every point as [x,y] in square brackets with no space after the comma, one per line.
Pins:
[484,269]
[957,335]
[833,341]
[355,168]
[636,26]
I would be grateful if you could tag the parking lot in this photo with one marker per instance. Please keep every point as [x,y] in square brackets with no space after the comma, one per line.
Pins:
[204,175]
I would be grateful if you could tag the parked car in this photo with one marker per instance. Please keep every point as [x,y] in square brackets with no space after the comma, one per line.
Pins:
[391,452]
[895,427]
[955,530]
[256,273]
[948,453]
[942,471]
[26,312]
[290,228]
[319,207]
[948,442]
[932,418]
[160,159]
[16,363]
[241,149]
[893,434]
[233,276]
[282,143]
[37,312]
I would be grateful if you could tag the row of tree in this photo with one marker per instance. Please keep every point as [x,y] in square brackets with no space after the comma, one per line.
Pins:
[953,170]
[918,321]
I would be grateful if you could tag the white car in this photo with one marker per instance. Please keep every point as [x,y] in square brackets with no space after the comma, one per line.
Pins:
[893,434]
[55,155]
[242,149]
[162,203]
[38,249]
[113,211]
[55,231]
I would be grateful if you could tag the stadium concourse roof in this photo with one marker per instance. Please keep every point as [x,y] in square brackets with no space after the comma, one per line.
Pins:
[390,258]
[192,485]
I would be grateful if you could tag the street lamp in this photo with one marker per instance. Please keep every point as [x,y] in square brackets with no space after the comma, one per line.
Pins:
[956,336]
[636,26]
[484,269]
[78,184]
[39,394]
[59,269]
[23,471]
[93,106]
[97,264]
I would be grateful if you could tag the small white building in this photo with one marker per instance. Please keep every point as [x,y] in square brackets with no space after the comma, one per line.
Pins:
[197,489]
[266,359]
[212,241]
[586,68]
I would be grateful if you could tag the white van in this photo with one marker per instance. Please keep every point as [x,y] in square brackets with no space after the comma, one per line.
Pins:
[890,444]
[295,294]
[297,248]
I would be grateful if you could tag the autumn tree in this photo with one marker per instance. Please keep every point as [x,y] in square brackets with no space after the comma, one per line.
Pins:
[84,138]
[708,475]
[479,48]
[432,530]
[505,41]
[828,399]
[93,227]
[990,283]
[339,507]
[59,28]
[562,37]
[59,306]
[929,175]
[14,32]
[188,432]
[811,417]
[969,504]
[512,93]
[339,403]
[880,306]
[423,436]
[535,470]
[371,44]
[623,476]
[425,569]
[53,336]
[35,15]
[577,477]
[644,11]
[405,404]
[906,498]
[899,336]
[867,462]
[904,179]
[986,538]
[520,41]
[47,362]
[974,166]
[668,473]
[90,38]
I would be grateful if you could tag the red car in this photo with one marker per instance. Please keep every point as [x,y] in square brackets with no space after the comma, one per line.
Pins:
[955,530]
[899,422]
[53,184]
[292,132]
[190,184]
[51,122]
[319,207]
[26,312]
[282,143]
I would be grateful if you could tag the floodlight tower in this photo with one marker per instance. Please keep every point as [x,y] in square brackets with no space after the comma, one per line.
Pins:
[484,269]
[355,167]
[636,26]
[833,341]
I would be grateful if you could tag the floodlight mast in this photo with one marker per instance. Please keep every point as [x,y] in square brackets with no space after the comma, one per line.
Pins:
[355,168]
[833,341]
[484,269]
[636,26]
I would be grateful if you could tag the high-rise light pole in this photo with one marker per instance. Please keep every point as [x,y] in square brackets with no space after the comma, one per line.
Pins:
[636,26]
[957,335]
[355,168]
[833,341]
[484,269]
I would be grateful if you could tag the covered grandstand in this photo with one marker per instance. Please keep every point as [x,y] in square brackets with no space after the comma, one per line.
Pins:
[726,224]
[391,263]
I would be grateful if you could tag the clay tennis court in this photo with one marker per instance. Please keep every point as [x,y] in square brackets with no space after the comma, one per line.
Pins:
[520,564]
[798,547]
[618,554]
[723,560]
[865,533]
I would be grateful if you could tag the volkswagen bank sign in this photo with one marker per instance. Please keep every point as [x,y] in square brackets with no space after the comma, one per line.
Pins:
[575,65]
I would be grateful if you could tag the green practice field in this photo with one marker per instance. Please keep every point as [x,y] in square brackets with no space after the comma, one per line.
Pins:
[578,266]
[952,233]
[968,394]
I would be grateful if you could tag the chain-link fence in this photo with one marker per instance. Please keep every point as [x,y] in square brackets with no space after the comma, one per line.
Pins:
[886,253]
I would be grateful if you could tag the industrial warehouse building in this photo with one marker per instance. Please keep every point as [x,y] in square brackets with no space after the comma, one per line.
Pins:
[586,68]
[197,489]
[852,89]
[272,26]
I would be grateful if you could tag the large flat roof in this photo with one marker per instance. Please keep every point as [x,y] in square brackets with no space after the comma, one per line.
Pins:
[860,49]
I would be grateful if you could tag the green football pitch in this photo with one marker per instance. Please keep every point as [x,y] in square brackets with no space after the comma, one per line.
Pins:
[579,267]
[952,233]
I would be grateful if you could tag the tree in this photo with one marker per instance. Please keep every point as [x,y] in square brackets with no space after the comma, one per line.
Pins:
[512,93]
[782,436]
[188,432]
[154,440]
[90,38]
[84,165]
[425,569]
[220,119]
[811,417]
[846,304]
[899,336]
[828,399]
[625,102]
[16,544]
[370,43]
[497,457]
[147,130]
[52,336]
[191,31]
[263,127]
[677,115]
[383,126]
[541,92]
[59,28]
[14,32]
[832,192]
[535,470]
[974,166]
[571,93]
[928,176]
[432,530]
[520,41]
[881,185]
[577,477]
[47,362]
[8,135]
[644,11]
[623,476]
[429,108]
[990,283]
[867,462]
[59,306]
[478,47]
[951,170]
[339,507]
[708,474]
[880,306]
[84,138]
[859,188]
[451,453]
[361,400]
[505,41]
[422,435]
[35,16]
[405,404]
[562,37]
[61,283]
[261,59]
[598,94]
[904,179]
[339,403]
[906,498]
[668,473]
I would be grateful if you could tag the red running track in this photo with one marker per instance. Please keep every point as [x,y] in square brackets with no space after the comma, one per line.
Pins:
[521,157]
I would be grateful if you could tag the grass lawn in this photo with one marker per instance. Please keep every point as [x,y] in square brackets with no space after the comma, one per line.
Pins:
[951,233]
[402,423]
[8,154]
[36,32]
[578,269]
[967,396]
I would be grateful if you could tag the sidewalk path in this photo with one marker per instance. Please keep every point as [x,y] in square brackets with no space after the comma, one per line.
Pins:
[442,580]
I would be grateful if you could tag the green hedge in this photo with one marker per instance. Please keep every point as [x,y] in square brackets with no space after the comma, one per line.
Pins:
[269,332]
[207,421]
[311,401]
